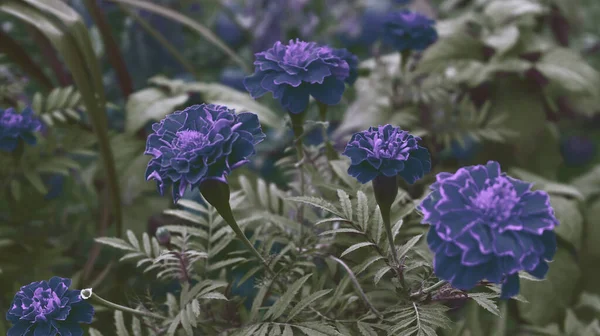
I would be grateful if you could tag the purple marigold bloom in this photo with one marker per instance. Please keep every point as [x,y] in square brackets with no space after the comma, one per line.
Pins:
[15,126]
[487,225]
[48,308]
[352,61]
[388,151]
[295,71]
[406,30]
[202,142]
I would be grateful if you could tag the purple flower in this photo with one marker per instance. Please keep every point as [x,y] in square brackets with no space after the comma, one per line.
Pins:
[228,30]
[487,225]
[352,61]
[202,142]
[295,71]
[406,30]
[388,151]
[48,308]
[577,150]
[15,126]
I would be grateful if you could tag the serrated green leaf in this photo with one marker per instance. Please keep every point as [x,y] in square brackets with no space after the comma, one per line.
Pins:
[362,210]
[279,307]
[116,243]
[380,273]
[224,263]
[404,249]
[306,302]
[133,240]
[356,247]
[120,324]
[317,202]
[342,230]
[345,203]
[484,300]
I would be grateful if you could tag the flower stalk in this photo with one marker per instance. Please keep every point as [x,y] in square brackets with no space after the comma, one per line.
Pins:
[329,150]
[217,194]
[386,189]
[298,129]
[88,294]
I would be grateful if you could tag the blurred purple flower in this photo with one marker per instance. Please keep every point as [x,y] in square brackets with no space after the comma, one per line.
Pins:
[295,71]
[486,225]
[17,126]
[388,151]
[202,142]
[407,30]
[48,308]
[577,150]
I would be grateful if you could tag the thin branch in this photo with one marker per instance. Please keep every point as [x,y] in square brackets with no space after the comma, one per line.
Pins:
[49,55]
[112,48]
[357,286]
[18,55]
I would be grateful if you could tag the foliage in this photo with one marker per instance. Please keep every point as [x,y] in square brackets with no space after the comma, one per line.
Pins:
[77,205]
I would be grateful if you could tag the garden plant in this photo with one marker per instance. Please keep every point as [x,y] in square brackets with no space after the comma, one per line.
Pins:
[299,167]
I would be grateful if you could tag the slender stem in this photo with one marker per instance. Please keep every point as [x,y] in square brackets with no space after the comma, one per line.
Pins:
[385,214]
[405,57]
[385,189]
[298,128]
[162,40]
[357,286]
[112,48]
[19,55]
[111,305]
[240,234]
[217,194]
[429,289]
[329,150]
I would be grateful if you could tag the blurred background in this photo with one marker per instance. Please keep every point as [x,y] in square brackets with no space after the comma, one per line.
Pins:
[510,80]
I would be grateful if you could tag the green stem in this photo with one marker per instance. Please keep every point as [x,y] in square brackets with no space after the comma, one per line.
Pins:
[298,128]
[329,150]
[217,194]
[111,305]
[385,189]
[112,48]
[429,289]
[169,47]
[404,57]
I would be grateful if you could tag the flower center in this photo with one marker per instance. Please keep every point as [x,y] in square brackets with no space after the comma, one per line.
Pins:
[188,140]
[496,200]
[44,301]
[392,147]
[298,53]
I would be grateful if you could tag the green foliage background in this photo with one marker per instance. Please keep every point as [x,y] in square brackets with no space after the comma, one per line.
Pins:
[500,74]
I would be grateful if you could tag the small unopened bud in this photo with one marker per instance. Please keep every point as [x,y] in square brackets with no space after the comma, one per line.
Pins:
[163,236]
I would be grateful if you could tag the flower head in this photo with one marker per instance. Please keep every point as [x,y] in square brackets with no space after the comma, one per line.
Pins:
[406,30]
[388,151]
[200,143]
[487,225]
[15,126]
[352,61]
[295,71]
[48,308]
